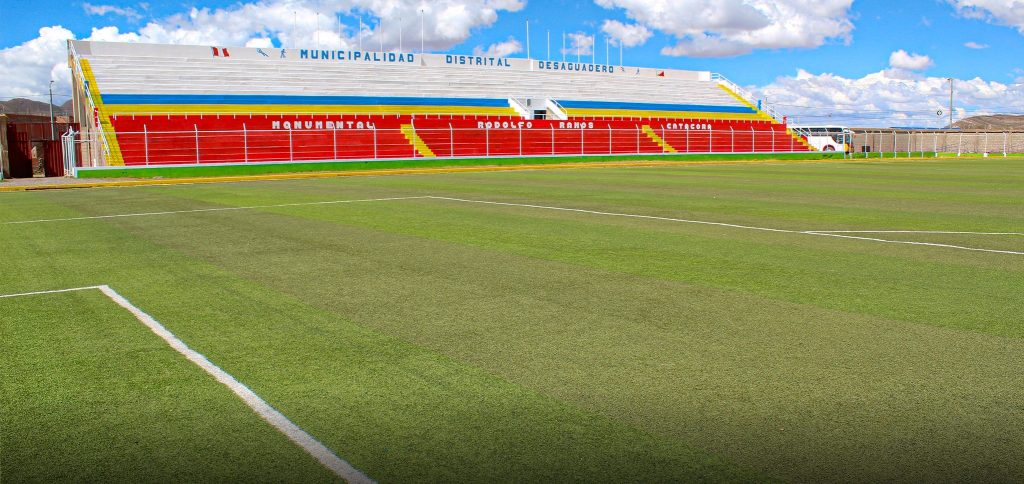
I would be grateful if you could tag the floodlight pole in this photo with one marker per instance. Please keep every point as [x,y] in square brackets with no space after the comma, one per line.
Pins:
[950,79]
[528,40]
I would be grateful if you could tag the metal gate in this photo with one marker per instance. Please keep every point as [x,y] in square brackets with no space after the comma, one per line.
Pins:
[20,152]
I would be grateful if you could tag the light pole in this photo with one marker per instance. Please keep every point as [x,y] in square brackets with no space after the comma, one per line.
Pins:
[950,79]
[53,130]
[422,35]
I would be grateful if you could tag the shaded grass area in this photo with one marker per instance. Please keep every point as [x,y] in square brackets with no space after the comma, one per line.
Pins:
[300,167]
[437,340]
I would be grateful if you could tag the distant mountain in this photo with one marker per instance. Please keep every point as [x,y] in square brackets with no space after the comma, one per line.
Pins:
[28,106]
[997,122]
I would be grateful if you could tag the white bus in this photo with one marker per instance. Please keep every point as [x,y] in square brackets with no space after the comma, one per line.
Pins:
[824,137]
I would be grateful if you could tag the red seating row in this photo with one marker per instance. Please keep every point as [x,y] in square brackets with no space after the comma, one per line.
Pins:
[265,138]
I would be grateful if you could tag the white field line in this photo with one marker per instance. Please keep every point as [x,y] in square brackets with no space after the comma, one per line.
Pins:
[721,224]
[200,210]
[924,232]
[907,242]
[58,291]
[268,413]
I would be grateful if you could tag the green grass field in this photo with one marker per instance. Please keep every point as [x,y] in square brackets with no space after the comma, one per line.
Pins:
[424,338]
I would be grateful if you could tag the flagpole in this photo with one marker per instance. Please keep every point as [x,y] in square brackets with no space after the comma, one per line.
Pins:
[549,45]
[528,39]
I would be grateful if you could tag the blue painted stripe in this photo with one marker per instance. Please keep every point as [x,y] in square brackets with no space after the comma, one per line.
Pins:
[259,99]
[655,107]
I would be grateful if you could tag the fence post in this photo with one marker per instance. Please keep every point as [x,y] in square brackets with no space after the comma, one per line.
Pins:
[291,149]
[1004,144]
[334,142]
[732,140]
[894,147]
[145,142]
[375,141]
[196,127]
[583,144]
[664,140]
[960,145]
[609,139]
[773,142]
[753,140]
[520,140]
[487,141]
[552,139]
[451,140]
[637,126]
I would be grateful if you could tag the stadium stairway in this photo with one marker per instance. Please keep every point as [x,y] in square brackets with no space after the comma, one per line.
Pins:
[410,134]
[658,139]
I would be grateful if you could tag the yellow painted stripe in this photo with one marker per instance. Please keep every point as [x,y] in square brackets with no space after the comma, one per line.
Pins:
[198,109]
[427,171]
[114,158]
[662,114]
[658,139]
[421,147]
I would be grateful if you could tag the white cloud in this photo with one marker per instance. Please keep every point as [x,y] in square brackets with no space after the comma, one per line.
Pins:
[1003,12]
[722,28]
[580,45]
[909,62]
[629,35]
[881,100]
[975,45]
[501,49]
[27,68]
[126,12]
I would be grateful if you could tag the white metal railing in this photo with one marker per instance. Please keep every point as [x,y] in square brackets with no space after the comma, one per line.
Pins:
[523,111]
[94,117]
[149,148]
[748,96]
[556,109]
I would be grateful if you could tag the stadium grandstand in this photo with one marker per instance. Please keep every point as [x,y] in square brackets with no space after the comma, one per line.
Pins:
[174,104]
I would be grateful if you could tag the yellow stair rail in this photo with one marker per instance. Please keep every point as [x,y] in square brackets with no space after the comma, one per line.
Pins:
[421,147]
[667,148]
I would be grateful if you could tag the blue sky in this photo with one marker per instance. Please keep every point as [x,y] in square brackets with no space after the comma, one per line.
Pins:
[836,55]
